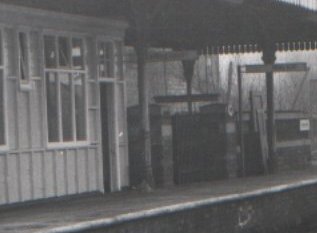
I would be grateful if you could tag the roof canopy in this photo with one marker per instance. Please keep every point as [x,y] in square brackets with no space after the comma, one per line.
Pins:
[232,25]
[223,25]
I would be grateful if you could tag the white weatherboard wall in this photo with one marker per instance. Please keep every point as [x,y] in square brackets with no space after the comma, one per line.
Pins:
[29,168]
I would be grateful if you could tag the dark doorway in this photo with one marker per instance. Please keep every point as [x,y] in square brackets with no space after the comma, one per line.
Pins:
[106,90]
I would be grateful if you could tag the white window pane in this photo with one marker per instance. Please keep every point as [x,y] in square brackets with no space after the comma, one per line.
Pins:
[77,54]
[66,101]
[52,107]
[80,107]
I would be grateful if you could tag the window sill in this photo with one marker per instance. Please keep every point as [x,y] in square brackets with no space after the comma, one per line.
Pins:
[70,145]
[26,85]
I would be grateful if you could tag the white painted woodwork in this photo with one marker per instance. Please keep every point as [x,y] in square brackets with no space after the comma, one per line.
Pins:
[30,169]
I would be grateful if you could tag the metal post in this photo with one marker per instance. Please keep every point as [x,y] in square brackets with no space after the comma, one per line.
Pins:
[269,59]
[242,150]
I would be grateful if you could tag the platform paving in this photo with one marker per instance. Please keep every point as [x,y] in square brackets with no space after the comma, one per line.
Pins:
[97,208]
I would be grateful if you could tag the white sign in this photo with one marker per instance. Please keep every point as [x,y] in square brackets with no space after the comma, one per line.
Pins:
[304,125]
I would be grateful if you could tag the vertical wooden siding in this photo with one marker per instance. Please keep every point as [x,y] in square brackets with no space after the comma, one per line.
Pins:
[30,171]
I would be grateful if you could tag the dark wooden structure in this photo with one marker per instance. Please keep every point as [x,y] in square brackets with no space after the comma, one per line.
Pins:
[204,145]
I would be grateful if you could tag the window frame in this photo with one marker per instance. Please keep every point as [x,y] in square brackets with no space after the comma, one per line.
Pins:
[4,147]
[117,60]
[112,42]
[58,70]
[25,85]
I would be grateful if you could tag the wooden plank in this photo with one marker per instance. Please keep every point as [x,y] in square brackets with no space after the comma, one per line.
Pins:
[282,67]
[25,177]
[164,56]
[60,173]
[186,98]
[49,176]
[81,165]
[13,178]
[299,90]
[2,180]
[256,100]
[38,185]
[261,122]
[92,170]
[71,172]
[87,169]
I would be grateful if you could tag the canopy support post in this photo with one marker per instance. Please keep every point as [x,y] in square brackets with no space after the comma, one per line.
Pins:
[141,51]
[269,59]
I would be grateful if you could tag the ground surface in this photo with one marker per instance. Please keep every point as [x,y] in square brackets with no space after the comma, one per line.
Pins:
[39,217]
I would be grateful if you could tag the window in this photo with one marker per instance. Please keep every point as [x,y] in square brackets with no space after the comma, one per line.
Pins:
[2,100]
[23,57]
[77,54]
[106,60]
[65,89]
[119,59]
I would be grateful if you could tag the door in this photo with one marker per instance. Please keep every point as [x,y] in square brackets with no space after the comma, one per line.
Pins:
[108,129]
[113,115]
[122,135]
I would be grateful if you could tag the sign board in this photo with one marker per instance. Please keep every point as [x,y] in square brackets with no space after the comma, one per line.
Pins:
[304,125]
[161,56]
[282,67]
